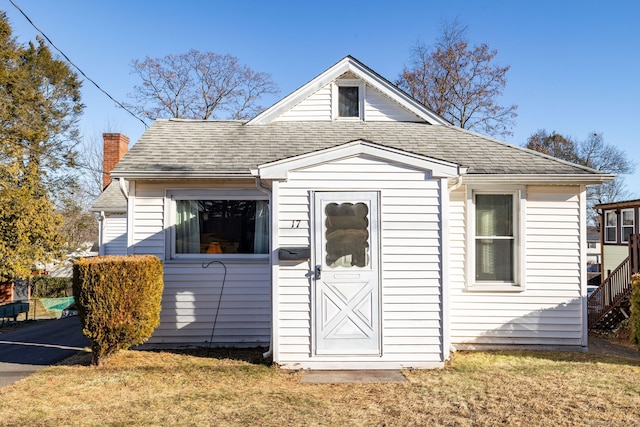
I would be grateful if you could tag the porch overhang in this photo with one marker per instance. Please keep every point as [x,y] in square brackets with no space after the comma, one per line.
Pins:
[435,168]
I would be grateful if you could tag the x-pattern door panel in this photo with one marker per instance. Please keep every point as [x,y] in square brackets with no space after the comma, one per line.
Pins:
[347,302]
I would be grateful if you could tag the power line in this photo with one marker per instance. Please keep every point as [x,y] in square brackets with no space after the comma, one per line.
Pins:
[76,67]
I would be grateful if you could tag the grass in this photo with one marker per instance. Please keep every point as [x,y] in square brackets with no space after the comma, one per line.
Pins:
[235,388]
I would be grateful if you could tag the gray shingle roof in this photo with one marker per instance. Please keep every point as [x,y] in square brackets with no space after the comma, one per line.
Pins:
[111,200]
[189,147]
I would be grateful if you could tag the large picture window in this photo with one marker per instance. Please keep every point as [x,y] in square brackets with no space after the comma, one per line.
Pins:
[494,243]
[221,227]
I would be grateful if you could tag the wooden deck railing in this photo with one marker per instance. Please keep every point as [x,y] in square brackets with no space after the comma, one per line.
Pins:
[616,287]
[609,294]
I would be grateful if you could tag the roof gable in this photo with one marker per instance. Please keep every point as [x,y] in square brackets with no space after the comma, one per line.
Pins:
[110,200]
[435,168]
[351,68]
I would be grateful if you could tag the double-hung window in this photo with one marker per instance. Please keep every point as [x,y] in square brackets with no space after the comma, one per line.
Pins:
[610,227]
[218,226]
[628,223]
[494,242]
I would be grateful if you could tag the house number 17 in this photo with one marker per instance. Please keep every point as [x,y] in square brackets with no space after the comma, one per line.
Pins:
[295,223]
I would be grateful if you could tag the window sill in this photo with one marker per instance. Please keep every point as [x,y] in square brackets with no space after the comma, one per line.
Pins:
[237,259]
[495,288]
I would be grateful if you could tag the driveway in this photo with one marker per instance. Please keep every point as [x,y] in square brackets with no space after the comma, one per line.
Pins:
[25,349]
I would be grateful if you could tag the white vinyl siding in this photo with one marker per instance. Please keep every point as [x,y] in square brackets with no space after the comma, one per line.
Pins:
[114,235]
[549,312]
[410,262]
[191,291]
[377,107]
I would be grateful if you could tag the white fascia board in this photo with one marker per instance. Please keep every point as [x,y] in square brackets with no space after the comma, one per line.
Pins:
[286,103]
[550,179]
[347,64]
[396,95]
[279,170]
[137,175]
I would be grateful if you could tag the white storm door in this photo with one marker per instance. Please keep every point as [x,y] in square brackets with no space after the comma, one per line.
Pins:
[347,273]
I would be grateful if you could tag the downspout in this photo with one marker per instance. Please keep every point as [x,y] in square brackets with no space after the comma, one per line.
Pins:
[101,218]
[265,190]
[445,293]
[123,188]
[456,184]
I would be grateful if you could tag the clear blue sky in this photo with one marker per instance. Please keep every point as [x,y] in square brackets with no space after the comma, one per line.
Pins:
[574,63]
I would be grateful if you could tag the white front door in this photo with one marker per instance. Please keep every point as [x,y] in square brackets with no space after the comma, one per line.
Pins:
[347,274]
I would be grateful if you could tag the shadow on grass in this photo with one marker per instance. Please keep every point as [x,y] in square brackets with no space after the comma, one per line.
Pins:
[253,356]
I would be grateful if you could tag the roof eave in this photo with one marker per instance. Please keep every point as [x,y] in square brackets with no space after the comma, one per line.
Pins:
[548,179]
[137,175]
[122,209]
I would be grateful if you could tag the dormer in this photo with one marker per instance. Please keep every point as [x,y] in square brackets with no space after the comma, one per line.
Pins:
[347,99]
[348,91]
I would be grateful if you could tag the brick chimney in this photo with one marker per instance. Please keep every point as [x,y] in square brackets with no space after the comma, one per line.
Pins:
[115,146]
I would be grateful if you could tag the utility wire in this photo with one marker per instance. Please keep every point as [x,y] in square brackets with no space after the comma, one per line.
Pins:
[76,67]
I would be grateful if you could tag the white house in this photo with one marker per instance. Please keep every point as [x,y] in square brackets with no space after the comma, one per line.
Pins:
[350,227]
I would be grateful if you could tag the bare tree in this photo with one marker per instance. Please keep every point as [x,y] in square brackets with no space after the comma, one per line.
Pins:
[593,152]
[459,82]
[91,163]
[553,144]
[198,85]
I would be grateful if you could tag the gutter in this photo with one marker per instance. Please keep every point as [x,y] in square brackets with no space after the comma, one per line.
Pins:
[164,175]
[551,179]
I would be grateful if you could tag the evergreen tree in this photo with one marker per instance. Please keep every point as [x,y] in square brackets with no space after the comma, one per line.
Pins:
[39,108]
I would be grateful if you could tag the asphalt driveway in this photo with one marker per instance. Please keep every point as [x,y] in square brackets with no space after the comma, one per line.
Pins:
[25,349]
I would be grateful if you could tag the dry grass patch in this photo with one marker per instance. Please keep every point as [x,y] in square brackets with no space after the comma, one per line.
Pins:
[476,389]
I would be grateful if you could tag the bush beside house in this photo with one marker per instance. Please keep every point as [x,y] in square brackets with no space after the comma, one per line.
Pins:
[118,300]
[635,309]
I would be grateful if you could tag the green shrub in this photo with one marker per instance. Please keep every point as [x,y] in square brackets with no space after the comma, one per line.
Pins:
[635,309]
[43,286]
[118,300]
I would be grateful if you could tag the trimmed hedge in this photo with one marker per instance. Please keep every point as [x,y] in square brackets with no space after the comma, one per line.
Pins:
[118,300]
[635,309]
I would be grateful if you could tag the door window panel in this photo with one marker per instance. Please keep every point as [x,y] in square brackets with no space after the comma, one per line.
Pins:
[347,234]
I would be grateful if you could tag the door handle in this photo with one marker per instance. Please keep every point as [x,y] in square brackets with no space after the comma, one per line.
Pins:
[318,272]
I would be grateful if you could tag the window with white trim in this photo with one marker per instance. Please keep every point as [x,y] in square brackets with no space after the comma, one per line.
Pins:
[349,99]
[610,227]
[218,226]
[494,243]
[628,223]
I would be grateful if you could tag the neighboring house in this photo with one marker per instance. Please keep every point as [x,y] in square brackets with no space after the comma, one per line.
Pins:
[594,249]
[594,253]
[111,205]
[618,221]
[350,227]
